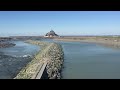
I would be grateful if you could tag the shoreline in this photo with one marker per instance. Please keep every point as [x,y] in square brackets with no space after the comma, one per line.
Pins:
[6,45]
[110,43]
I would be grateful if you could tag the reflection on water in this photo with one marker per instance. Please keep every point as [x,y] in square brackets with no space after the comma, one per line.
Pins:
[90,61]
[14,58]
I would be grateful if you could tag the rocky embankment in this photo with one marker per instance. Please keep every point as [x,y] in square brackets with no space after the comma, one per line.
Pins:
[6,44]
[53,52]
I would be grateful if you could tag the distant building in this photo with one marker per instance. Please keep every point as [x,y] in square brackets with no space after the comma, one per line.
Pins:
[51,34]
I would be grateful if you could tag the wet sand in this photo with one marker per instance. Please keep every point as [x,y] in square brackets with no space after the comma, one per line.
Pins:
[111,42]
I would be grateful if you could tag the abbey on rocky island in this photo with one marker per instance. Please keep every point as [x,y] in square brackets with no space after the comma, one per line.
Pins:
[51,34]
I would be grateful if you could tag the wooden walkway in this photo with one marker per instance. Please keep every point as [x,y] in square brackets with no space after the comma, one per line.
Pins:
[40,70]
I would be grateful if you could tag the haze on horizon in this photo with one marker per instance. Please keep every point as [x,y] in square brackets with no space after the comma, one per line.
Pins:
[14,23]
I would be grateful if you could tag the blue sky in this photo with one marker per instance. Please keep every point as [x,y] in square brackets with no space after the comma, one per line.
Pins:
[62,22]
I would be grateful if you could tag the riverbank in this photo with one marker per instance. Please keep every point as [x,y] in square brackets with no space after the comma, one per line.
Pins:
[53,52]
[6,44]
[111,42]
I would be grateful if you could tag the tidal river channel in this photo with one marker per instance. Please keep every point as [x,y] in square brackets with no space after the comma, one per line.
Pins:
[81,60]
[90,61]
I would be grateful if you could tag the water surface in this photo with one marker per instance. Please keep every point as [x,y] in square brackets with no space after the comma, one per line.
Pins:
[90,61]
[13,59]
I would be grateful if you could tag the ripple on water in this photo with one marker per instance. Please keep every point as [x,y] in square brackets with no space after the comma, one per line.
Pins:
[14,58]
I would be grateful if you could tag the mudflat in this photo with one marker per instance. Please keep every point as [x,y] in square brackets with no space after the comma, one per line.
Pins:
[5,45]
[107,41]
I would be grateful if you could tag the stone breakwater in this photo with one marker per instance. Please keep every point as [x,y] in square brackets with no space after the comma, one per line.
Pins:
[53,52]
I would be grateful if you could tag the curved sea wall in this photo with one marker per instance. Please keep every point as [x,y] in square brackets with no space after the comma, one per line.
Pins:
[54,54]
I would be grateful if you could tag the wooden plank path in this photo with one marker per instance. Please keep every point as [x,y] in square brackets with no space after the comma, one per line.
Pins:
[40,70]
